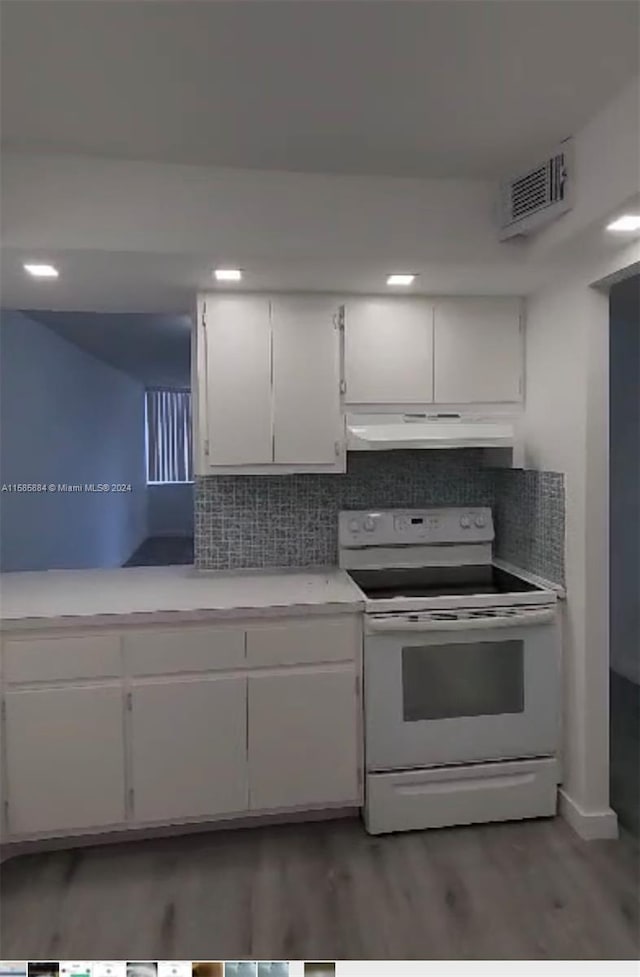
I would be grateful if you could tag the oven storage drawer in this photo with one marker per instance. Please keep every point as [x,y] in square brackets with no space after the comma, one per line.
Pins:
[471,794]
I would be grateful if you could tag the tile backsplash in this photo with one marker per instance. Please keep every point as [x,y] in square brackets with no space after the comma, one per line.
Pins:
[291,520]
[528,513]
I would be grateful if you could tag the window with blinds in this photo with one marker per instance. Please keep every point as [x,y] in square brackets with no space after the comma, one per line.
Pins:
[169,456]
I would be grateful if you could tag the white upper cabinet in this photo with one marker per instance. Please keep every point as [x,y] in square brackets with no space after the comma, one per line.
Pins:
[268,376]
[452,351]
[389,351]
[478,350]
[237,394]
[308,424]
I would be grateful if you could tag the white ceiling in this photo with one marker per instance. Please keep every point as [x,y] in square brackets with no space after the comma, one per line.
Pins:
[298,252]
[168,283]
[154,349]
[401,88]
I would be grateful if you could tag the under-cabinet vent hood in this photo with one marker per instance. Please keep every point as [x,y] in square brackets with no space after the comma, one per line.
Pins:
[383,432]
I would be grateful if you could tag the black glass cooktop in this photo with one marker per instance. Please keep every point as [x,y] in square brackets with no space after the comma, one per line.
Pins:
[438,582]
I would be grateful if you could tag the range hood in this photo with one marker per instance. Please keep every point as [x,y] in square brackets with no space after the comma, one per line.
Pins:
[383,432]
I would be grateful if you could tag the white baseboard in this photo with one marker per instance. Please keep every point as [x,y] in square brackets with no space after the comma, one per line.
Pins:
[589,825]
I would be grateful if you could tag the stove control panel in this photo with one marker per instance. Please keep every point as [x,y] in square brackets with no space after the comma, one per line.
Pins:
[398,527]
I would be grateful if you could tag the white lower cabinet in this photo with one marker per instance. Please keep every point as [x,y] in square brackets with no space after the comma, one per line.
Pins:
[303,738]
[65,759]
[306,641]
[189,748]
[139,727]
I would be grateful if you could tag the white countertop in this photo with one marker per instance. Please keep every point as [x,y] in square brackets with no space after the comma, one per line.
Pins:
[55,596]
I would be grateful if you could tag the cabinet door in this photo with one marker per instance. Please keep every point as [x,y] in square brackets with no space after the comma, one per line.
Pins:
[389,351]
[65,759]
[238,381]
[308,423]
[478,350]
[303,738]
[189,748]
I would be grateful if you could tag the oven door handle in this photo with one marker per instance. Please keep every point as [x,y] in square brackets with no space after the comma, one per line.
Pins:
[465,624]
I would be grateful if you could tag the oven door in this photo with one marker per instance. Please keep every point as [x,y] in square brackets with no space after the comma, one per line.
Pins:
[447,693]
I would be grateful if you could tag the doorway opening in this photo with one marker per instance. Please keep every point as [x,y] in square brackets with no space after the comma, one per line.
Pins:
[624,496]
[96,418]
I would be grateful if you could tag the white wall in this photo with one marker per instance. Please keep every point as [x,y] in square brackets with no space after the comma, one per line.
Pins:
[140,236]
[607,168]
[566,324]
[566,429]
[86,203]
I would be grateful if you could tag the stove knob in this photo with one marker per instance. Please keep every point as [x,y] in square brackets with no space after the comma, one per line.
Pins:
[369,524]
[480,521]
[465,522]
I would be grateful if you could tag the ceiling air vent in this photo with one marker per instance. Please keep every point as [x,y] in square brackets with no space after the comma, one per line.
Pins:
[537,196]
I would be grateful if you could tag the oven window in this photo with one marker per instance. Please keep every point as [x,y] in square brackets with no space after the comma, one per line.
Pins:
[449,681]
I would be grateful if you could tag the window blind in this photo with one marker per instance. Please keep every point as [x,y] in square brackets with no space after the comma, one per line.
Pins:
[169,455]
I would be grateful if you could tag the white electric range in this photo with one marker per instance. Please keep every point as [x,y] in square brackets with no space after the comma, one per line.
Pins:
[461,672]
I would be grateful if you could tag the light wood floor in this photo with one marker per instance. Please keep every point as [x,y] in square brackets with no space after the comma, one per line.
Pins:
[328,890]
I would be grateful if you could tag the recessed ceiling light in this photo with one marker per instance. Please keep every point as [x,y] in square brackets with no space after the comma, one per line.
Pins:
[228,274]
[628,222]
[42,271]
[400,279]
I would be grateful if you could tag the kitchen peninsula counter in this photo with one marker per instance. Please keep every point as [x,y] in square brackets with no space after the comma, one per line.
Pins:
[169,594]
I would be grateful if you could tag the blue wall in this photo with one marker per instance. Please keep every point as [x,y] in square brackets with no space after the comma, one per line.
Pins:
[66,417]
[624,454]
[170,509]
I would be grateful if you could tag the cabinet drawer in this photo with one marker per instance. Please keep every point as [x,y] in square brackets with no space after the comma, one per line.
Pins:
[304,640]
[475,794]
[61,658]
[163,652]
